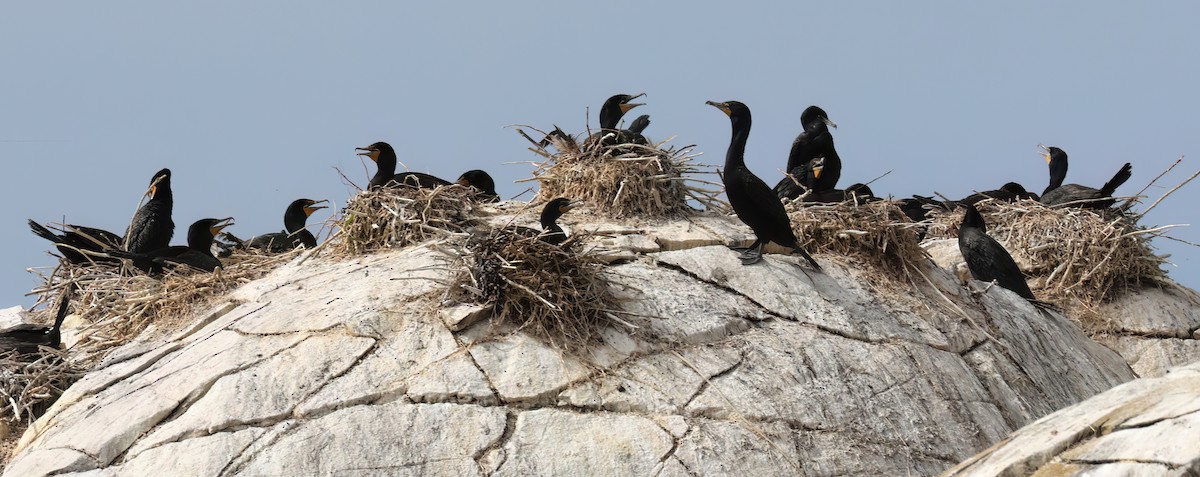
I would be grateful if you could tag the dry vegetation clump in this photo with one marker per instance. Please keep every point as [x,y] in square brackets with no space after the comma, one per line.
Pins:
[551,291]
[30,383]
[624,180]
[118,306]
[403,216]
[878,232]
[1076,256]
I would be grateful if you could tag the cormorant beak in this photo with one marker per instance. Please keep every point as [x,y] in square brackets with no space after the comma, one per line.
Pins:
[1045,152]
[462,181]
[722,106]
[627,106]
[313,207]
[565,207]
[220,225]
[370,152]
[829,123]
[817,171]
[154,186]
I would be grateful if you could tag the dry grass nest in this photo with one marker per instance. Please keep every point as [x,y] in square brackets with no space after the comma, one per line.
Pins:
[1076,256]
[403,216]
[625,180]
[877,232]
[554,292]
[116,307]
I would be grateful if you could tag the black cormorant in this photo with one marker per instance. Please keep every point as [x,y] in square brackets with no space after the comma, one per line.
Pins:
[1009,192]
[633,135]
[197,254]
[152,228]
[551,233]
[1056,193]
[986,258]
[76,240]
[480,180]
[813,143]
[753,201]
[610,115]
[25,338]
[385,173]
[917,207]
[294,232]
[858,192]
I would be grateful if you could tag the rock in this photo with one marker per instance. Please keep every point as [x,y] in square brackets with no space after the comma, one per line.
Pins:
[353,367]
[13,316]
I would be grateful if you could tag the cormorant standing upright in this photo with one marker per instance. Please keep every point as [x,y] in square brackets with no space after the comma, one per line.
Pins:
[986,258]
[1056,193]
[197,254]
[25,338]
[752,200]
[152,228]
[813,143]
[385,173]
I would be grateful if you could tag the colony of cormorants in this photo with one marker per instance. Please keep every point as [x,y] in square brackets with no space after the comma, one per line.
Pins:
[813,169]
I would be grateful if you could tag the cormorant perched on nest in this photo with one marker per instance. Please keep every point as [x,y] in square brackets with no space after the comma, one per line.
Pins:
[76,240]
[813,143]
[986,258]
[1009,192]
[634,135]
[385,174]
[197,254]
[917,207]
[1058,194]
[294,235]
[480,180]
[857,192]
[26,338]
[610,115]
[551,233]
[152,228]
[753,201]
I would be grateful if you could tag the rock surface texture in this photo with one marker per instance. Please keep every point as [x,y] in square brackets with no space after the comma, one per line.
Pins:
[349,367]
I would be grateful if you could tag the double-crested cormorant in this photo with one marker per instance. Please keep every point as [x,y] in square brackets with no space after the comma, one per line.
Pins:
[1075,194]
[1009,192]
[815,142]
[76,240]
[294,234]
[917,207]
[610,115]
[197,254]
[986,258]
[753,201]
[25,338]
[633,135]
[480,180]
[551,233]
[385,174]
[858,192]
[152,228]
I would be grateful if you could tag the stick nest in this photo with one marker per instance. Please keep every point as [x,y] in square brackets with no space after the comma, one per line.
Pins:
[1076,256]
[624,180]
[30,383]
[556,293]
[878,232]
[403,216]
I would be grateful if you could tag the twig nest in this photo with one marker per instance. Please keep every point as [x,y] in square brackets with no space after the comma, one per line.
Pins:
[403,216]
[1071,253]
[28,387]
[552,291]
[878,232]
[624,180]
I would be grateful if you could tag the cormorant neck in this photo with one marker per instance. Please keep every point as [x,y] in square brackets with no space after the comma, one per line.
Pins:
[1058,174]
[386,164]
[201,241]
[610,115]
[736,157]
[294,219]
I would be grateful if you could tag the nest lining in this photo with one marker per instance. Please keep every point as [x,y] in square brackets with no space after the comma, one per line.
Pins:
[624,180]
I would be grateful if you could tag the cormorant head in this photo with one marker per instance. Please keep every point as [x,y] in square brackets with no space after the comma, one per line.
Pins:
[861,190]
[478,179]
[308,206]
[160,181]
[554,209]
[375,150]
[812,114]
[734,109]
[972,218]
[1015,188]
[1052,154]
[202,232]
[818,165]
[615,107]
[640,124]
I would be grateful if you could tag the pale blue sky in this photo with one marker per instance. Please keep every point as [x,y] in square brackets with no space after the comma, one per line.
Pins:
[253,104]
